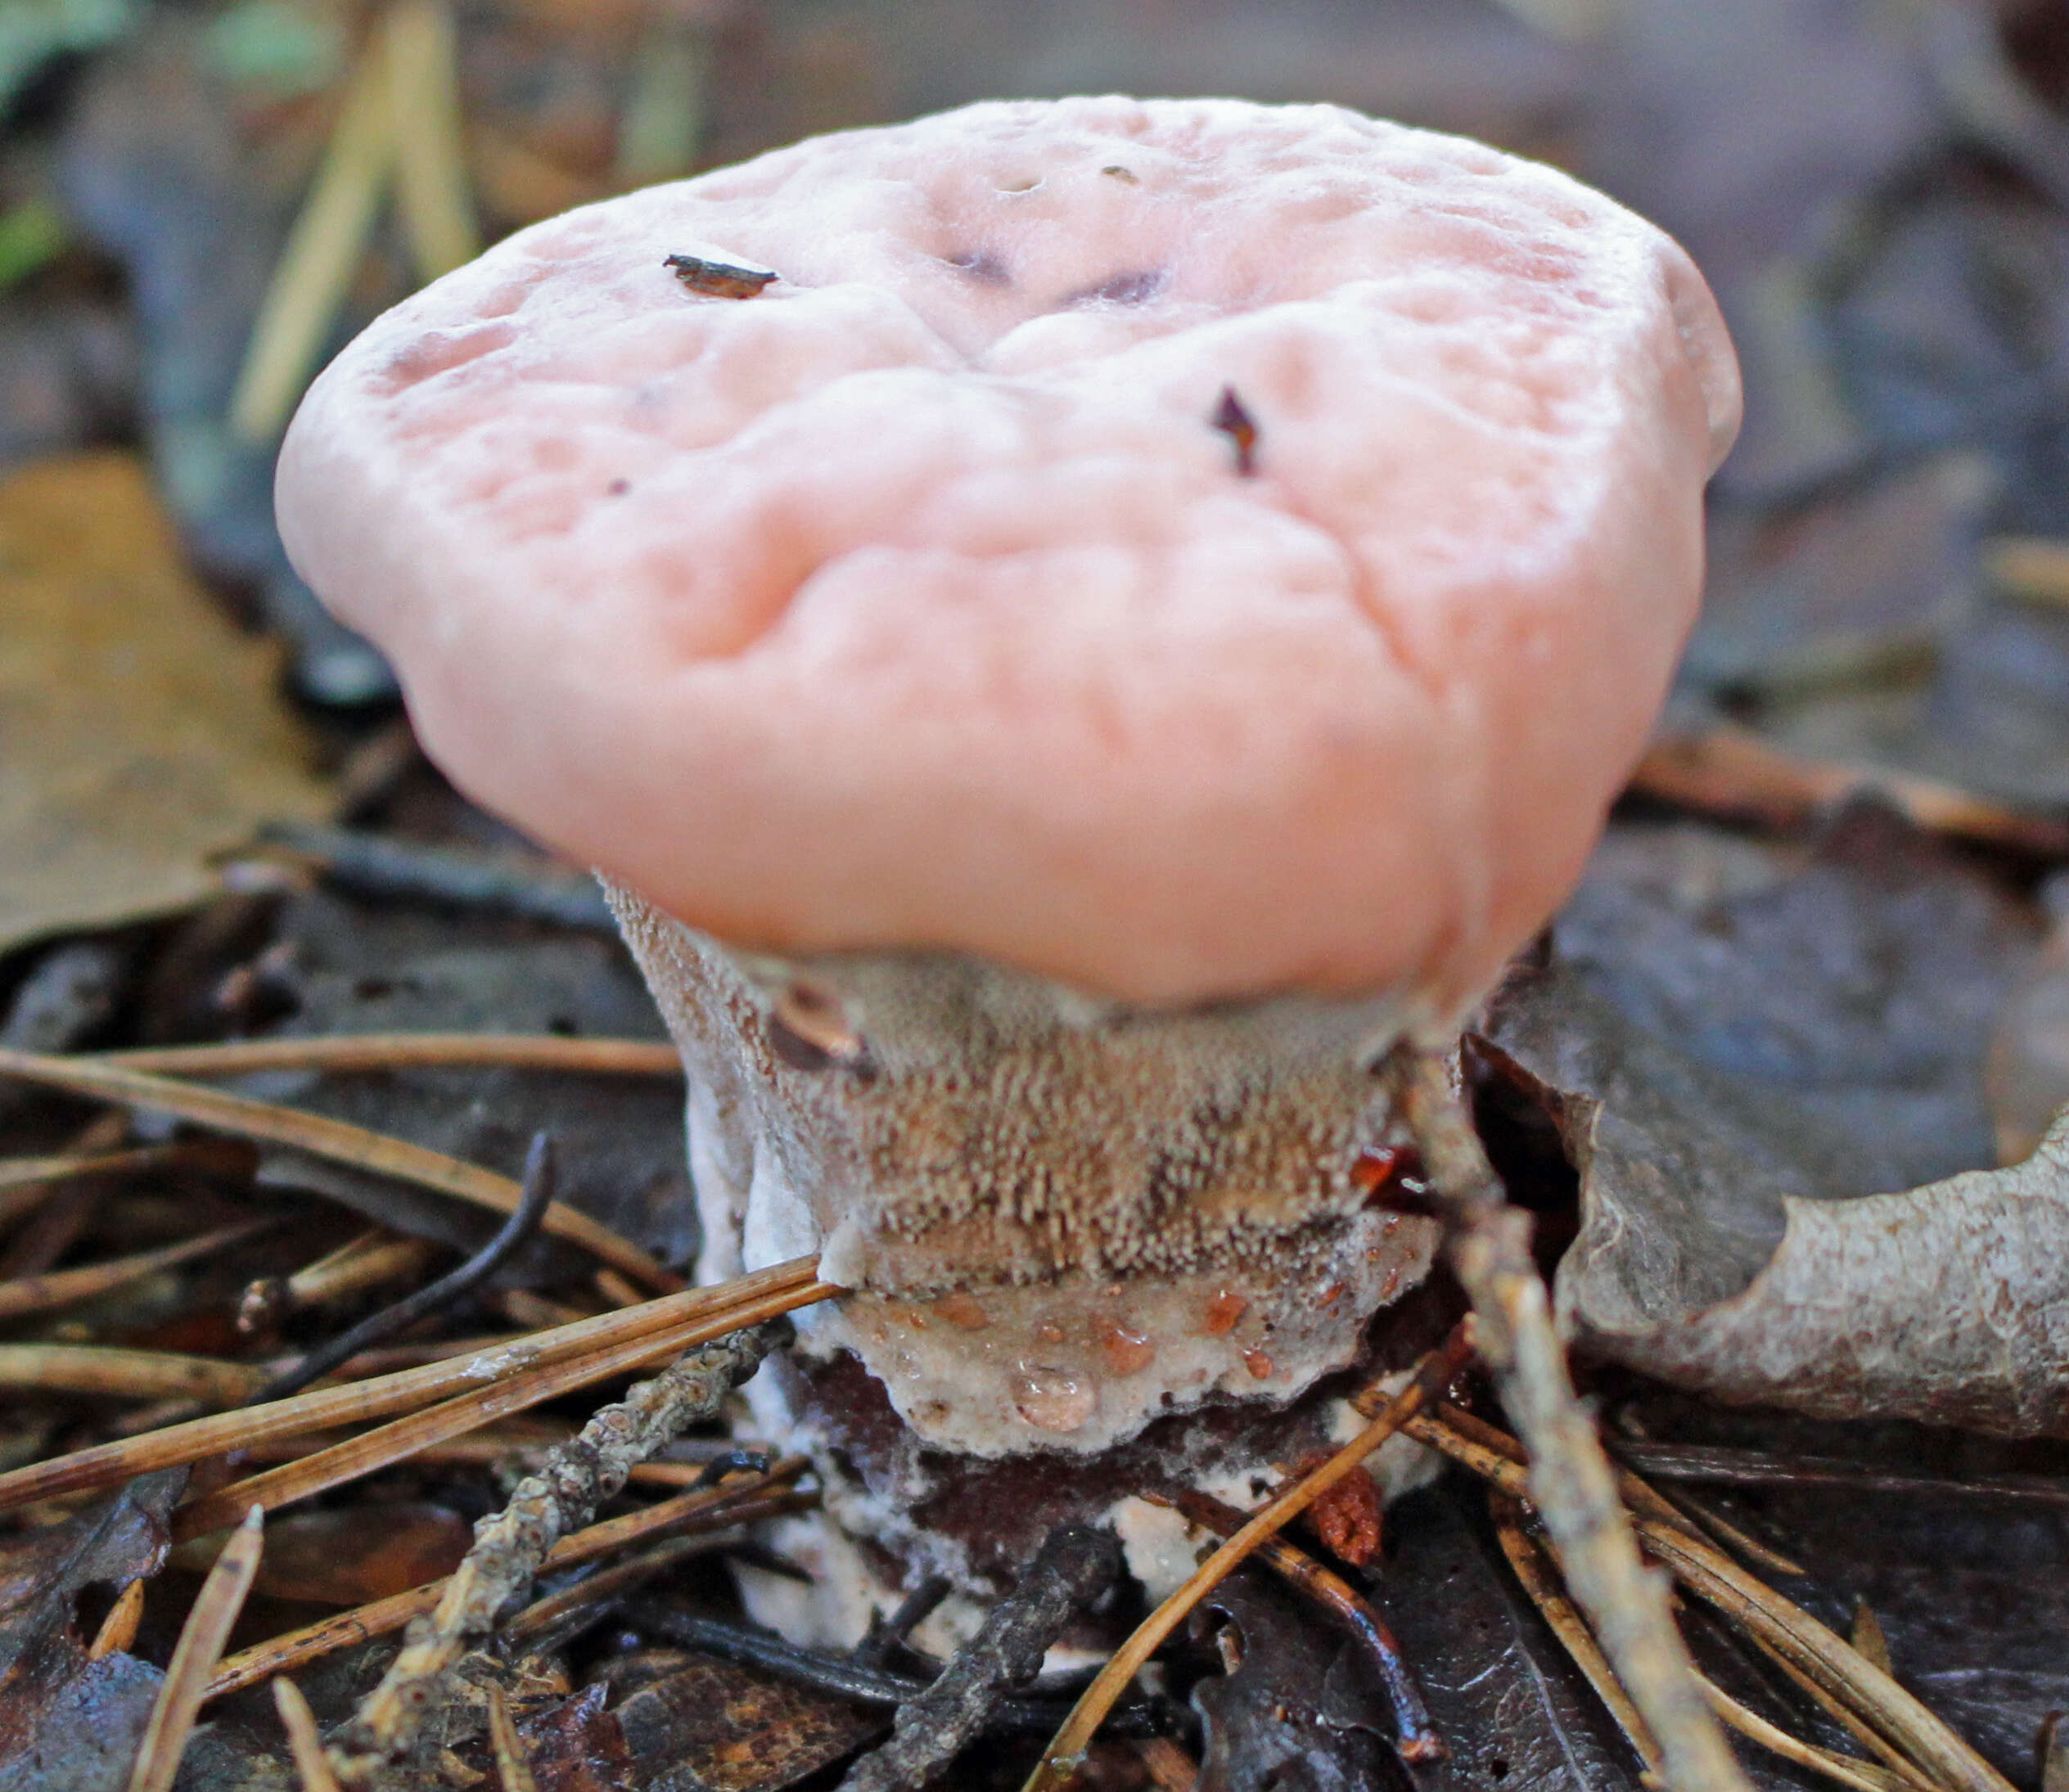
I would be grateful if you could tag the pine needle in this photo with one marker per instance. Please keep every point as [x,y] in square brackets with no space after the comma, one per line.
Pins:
[512,1766]
[402,1439]
[404,1051]
[334,1140]
[118,1628]
[29,1295]
[357,1402]
[1060,1760]
[737,1503]
[194,1656]
[322,253]
[304,1742]
[431,160]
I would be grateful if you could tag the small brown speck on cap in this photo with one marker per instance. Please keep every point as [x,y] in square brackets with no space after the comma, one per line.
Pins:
[1240,428]
[718,279]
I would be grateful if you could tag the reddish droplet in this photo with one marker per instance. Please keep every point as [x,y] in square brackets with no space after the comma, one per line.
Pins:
[1222,1312]
[1259,1365]
[1126,1351]
[1049,1332]
[1333,1294]
[1375,1166]
[963,1310]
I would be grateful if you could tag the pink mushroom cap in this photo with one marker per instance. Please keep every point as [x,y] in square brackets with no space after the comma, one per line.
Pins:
[933,596]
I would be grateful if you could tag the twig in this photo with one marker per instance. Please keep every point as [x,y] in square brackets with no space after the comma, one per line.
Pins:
[1075,1565]
[793,1284]
[510,1547]
[513,1768]
[194,1656]
[402,1051]
[886,1635]
[538,1185]
[382,865]
[335,1139]
[1415,1737]
[1488,1245]
[402,1439]
[732,1505]
[57,1288]
[1566,1624]
[1066,1751]
[1030,1713]
[304,1743]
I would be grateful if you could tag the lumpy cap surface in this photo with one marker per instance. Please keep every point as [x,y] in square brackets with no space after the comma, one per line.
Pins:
[936,595]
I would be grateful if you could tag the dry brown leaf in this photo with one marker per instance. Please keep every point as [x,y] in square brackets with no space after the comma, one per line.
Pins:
[140,732]
[1948,1302]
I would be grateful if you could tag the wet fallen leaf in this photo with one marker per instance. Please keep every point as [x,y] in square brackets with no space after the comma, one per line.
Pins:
[1747,1083]
[1514,1711]
[576,1745]
[1948,1302]
[66,1720]
[1300,1707]
[353,1554]
[715,1727]
[139,732]
[343,967]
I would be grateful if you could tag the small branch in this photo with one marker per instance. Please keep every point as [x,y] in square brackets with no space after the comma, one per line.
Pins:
[1075,1565]
[510,1547]
[1570,1480]
[740,1504]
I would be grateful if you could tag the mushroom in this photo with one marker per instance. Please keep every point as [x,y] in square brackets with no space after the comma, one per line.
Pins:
[1069,628]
